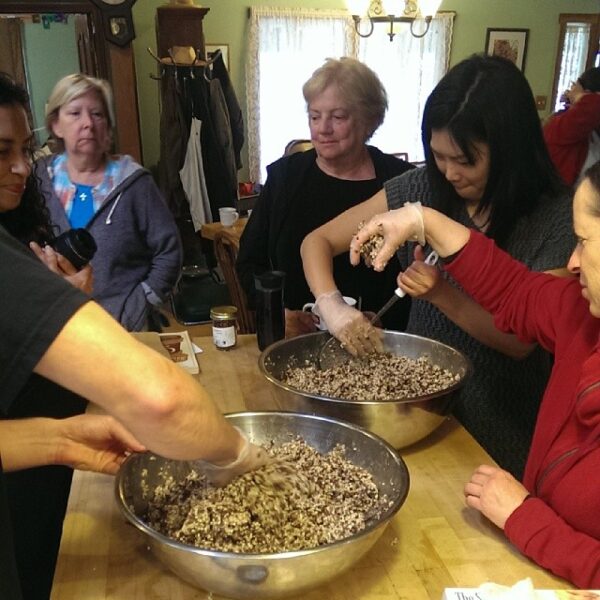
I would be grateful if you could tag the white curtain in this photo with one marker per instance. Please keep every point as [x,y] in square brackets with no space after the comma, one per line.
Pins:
[286,45]
[409,68]
[573,59]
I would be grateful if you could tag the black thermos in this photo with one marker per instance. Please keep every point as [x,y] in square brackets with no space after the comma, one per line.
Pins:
[270,313]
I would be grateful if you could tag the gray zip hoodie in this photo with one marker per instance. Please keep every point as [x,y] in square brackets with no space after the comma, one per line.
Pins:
[139,254]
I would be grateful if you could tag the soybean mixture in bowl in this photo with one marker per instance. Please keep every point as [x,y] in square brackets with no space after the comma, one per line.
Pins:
[374,378]
[303,500]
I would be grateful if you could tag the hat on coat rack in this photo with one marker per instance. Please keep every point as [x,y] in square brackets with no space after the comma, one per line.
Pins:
[181,56]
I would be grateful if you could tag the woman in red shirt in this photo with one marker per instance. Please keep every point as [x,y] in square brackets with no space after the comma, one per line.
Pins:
[552,516]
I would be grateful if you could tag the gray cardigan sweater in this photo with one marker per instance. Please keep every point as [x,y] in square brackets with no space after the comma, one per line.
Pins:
[499,404]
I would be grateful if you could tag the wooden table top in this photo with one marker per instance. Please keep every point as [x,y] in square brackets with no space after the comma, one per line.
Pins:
[208,230]
[433,542]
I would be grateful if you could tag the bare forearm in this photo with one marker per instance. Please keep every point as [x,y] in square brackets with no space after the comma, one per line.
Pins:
[164,407]
[333,238]
[477,322]
[27,443]
[444,235]
[317,260]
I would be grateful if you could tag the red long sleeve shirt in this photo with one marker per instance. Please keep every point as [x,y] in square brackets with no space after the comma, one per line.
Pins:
[559,528]
[567,135]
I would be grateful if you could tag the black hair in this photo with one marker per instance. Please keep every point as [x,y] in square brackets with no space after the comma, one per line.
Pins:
[486,99]
[590,80]
[593,174]
[30,221]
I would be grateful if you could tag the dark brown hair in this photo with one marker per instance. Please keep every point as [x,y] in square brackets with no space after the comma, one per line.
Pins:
[30,221]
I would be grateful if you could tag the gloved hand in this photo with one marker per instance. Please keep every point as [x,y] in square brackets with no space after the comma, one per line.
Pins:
[396,227]
[347,324]
[250,458]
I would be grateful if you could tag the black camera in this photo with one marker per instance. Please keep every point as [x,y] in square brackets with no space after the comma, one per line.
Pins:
[77,246]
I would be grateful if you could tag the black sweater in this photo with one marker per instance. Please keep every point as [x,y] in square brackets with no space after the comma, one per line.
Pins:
[297,198]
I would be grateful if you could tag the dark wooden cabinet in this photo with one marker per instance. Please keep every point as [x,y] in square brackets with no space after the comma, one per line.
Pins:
[180,26]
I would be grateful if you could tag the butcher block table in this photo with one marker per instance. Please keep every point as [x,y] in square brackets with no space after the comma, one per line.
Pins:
[433,542]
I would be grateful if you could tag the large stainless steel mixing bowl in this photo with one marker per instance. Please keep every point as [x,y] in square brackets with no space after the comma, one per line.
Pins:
[399,422]
[260,576]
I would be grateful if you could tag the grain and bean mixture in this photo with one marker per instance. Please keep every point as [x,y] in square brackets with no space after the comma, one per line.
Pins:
[370,249]
[378,377]
[302,500]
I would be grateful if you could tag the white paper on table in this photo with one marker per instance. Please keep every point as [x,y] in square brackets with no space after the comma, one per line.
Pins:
[522,590]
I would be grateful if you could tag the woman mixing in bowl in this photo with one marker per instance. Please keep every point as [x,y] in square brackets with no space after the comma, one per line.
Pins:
[552,517]
[138,260]
[346,103]
[488,168]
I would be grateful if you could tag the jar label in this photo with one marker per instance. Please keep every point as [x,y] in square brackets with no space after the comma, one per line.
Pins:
[224,337]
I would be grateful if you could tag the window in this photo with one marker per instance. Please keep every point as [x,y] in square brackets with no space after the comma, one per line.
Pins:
[286,45]
[411,69]
[578,50]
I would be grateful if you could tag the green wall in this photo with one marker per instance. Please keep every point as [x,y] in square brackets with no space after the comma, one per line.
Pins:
[227,21]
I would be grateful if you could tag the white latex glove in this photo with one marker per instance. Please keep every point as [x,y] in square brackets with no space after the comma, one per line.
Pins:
[348,324]
[396,227]
[250,458]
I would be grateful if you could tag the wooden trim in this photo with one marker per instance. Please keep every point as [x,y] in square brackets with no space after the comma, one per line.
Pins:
[122,69]
[111,63]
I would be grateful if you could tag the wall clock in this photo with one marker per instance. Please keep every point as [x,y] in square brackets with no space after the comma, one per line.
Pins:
[117,21]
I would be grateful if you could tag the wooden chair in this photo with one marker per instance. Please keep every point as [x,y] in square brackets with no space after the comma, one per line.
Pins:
[226,250]
[294,146]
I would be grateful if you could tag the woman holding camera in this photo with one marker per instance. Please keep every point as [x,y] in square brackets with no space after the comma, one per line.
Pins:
[22,210]
[139,252]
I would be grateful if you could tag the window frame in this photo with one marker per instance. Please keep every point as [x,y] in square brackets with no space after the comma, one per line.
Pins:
[594,20]
[257,163]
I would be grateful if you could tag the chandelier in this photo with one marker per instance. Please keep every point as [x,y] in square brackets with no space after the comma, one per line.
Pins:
[413,10]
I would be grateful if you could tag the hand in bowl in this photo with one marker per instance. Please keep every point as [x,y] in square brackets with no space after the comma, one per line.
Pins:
[250,458]
[350,326]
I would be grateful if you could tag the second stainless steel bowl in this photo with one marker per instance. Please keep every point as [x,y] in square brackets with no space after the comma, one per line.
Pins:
[400,422]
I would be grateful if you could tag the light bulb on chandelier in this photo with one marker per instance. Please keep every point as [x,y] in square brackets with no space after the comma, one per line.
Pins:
[412,11]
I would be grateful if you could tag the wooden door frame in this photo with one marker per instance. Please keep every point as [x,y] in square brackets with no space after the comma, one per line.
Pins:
[111,62]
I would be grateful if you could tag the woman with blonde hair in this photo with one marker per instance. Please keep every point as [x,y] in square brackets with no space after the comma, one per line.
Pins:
[138,260]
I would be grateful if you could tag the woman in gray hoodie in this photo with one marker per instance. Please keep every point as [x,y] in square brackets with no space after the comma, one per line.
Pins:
[139,255]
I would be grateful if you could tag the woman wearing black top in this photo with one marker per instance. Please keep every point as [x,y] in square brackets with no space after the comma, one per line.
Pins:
[24,216]
[346,103]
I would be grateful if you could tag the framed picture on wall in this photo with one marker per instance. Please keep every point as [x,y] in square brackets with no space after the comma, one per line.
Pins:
[508,43]
[224,48]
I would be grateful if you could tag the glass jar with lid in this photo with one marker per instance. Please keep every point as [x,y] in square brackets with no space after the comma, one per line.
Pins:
[224,326]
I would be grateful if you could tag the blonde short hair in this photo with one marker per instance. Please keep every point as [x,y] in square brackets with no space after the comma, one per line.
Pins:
[72,86]
[358,84]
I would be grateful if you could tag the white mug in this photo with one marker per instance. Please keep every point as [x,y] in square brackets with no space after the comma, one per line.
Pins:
[228,216]
[309,306]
